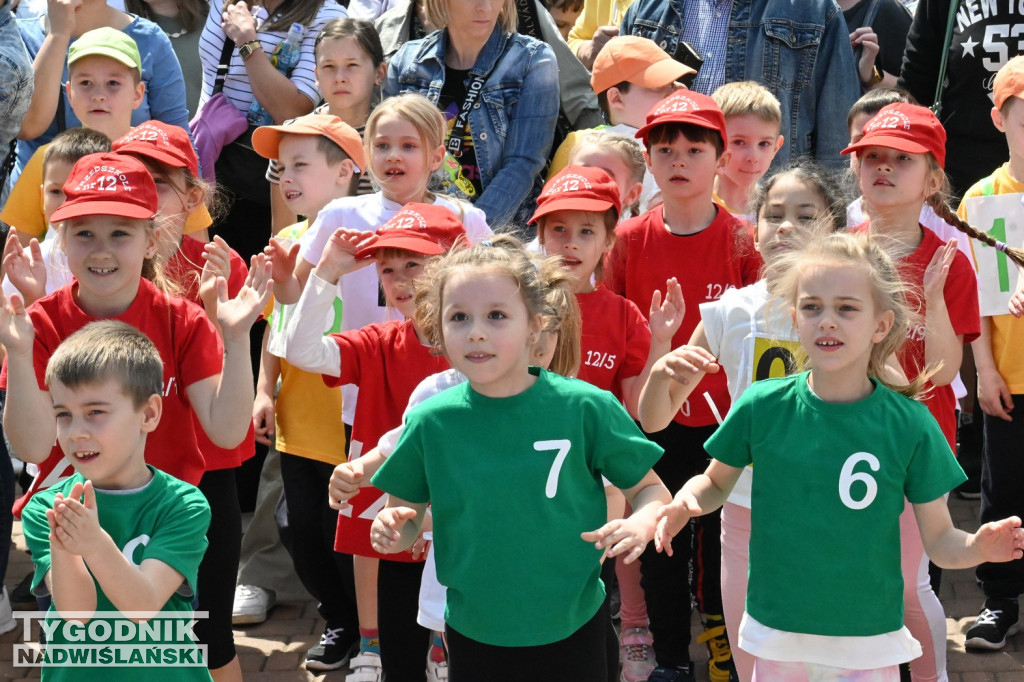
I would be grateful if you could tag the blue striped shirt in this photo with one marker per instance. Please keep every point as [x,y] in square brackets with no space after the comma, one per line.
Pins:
[706,29]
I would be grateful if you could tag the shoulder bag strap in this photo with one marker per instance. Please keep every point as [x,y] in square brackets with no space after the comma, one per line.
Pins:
[941,85]
[222,67]
[869,16]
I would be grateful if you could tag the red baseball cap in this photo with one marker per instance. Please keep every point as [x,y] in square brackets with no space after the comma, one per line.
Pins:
[578,188]
[420,228]
[686,106]
[162,142]
[906,128]
[108,184]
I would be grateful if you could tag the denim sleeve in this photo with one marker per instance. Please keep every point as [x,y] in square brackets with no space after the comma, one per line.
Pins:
[626,28]
[166,87]
[837,87]
[531,129]
[15,79]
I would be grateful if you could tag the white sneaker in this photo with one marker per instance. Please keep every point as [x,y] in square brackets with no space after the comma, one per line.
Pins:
[251,605]
[365,668]
[436,672]
[7,621]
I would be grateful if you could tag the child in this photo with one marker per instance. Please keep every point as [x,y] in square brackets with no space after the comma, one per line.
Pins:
[750,340]
[317,157]
[836,447]
[685,138]
[109,237]
[997,355]
[44,269]
[485,307]
[349,69]
[386,361]
[119,535]
[619,156]
[630,76]
[564,12]
[753,120]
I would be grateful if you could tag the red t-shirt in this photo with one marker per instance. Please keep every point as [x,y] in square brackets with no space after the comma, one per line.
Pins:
[387,362]
[719,257]
[189,346]
[184,269]
[961,295]
[615,340]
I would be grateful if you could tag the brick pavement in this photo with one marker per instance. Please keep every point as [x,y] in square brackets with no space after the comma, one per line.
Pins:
[273,651]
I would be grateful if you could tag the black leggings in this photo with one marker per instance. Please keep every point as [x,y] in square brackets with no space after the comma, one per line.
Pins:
[580,656]
[216,583]
[403,642]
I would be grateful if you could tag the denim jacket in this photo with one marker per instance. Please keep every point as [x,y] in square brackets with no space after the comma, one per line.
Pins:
[798,49]
[16,82]
[512,125]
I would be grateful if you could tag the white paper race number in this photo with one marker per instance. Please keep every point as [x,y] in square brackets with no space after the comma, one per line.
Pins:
[848,477]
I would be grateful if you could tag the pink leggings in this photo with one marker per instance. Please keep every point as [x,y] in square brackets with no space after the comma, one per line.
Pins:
[923,614]
[778,671]
[634,605]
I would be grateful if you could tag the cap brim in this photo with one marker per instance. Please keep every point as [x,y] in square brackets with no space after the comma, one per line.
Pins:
[424,246]
[678,118]
[112,208]
[266,140]
[889,142]
[571,204]
[660,74]
[101,51]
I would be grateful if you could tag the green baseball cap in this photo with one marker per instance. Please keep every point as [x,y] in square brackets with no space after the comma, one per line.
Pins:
[106,42]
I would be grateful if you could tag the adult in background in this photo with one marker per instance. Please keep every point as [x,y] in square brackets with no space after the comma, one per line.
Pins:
[66,20]
[878,35]
[798,49]
[499,92]
[258,33]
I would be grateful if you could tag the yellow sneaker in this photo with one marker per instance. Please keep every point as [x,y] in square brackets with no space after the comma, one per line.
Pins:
[720,665]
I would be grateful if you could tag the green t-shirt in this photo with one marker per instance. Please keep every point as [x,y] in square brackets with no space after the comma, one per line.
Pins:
[512,483]
[830,486]
[165,520]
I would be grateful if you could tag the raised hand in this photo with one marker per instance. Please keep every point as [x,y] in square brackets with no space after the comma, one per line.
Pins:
[667,316]
[25,268]
[938,270]
[16,331]
[339,256]
[216,263]
[77,521]
[236,315]
[283,254]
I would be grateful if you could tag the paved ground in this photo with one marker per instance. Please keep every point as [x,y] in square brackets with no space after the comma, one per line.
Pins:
[273,651]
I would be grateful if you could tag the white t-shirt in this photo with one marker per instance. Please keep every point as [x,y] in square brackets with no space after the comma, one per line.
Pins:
[359,290]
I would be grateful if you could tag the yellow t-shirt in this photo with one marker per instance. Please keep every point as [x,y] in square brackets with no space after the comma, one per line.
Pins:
[24,208]
[1007,330]
[307,412]
[596,13]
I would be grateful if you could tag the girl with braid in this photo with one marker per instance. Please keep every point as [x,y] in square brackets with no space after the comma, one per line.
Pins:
[901,157]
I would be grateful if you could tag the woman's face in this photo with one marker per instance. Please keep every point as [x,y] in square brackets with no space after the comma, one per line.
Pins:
[473,19]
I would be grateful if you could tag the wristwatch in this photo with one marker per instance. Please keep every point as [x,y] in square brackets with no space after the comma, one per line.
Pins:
[245,50]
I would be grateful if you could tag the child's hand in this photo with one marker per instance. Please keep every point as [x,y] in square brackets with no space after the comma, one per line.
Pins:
[345,483]
[26,270]
[283,255]
[684,362]
[1016,304]
[339,256]
[994,395]
[51,520]
[263,418]
[622,537]
[673,517]
[16,331]
[236,316]
[78,522]
[387,528]
[666,317]
[1000,540]
[938,270]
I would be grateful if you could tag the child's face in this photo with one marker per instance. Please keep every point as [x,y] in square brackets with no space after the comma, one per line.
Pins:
[105,254]
[753,143]
[400,162]
[397,274]
[346,77]
[890,178]
[857,132]
[102,432]
[684,169]
[103,94]
[55,174]
[631,107]
[580,239]
[308,181]
[837,320]
[175,200]
[488,332]
[790,205]
[565,19]
[611,163]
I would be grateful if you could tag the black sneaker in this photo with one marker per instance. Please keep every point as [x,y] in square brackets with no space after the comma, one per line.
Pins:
[682,673]
[333,651]
[996,622]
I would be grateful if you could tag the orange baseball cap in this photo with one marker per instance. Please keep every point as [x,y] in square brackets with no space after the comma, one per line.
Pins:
[686,106]
[578,188]
[266,140]
[421,228]
[637,60]
[1009,81]
[906,128]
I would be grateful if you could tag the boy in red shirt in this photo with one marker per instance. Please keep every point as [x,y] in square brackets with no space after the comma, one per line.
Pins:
[709,251]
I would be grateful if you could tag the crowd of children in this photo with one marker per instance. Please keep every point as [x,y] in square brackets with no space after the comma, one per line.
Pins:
[517,461]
